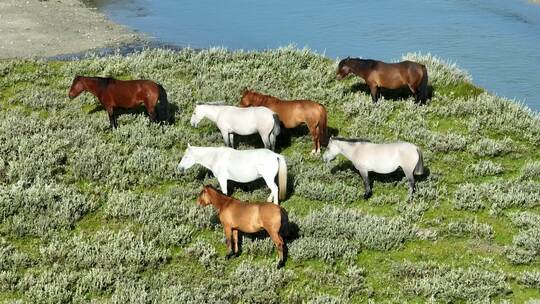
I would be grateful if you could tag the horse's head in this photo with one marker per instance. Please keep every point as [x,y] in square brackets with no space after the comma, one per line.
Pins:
[187,161]
[332,150]
[343,69]
[246,101]
[197,116]
[204,198]
[76,87]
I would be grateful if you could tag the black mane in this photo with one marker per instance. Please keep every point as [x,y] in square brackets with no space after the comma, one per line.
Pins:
[350,140]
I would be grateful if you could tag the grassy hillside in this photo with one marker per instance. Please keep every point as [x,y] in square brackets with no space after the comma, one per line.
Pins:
[90,214]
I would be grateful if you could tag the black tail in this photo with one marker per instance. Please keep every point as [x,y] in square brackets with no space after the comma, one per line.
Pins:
[288,230]
[162,108]
[423,88]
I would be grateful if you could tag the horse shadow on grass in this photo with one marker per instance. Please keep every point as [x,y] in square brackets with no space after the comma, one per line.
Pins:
[285,137]
[391,178]
[173,109]
[392,94]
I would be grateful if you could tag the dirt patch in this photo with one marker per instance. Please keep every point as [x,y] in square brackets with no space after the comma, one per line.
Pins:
[34,28]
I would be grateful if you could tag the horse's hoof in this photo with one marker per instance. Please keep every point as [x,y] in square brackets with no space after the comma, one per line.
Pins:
[367,195]
[313,151]
[280,264]
[229,255]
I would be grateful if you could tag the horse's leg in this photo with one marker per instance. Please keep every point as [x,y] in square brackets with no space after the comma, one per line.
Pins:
[318,141]
[278,241]
[374,92]
[412,182]
[223,184]
[367,185]
[273,189]
[228,238]
[315,136]
[225,135]
[112,117]
[231,140]
[415,93]
[151,111]
[235,241]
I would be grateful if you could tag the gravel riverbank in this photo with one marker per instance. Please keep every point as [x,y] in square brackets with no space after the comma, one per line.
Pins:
[36,28]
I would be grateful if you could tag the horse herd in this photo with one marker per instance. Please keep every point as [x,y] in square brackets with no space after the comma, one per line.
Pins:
[267,115]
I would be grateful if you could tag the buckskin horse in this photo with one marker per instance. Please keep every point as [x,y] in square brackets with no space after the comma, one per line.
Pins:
[245,217]
[292,113]
[378,74]
[113,94]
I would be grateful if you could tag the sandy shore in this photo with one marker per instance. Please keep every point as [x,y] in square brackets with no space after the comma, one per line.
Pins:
[34,28]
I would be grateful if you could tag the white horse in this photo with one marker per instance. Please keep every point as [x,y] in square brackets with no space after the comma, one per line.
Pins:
[242,121]
[241,166]
[379,158]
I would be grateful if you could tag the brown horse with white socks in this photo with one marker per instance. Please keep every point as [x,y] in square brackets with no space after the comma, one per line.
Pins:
[378,74]
[236,216]
[292,113]
[113,94]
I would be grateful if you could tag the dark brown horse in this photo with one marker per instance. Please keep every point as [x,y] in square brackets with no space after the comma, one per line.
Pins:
[236,216]
[113,94]
[378,74]
[292,113]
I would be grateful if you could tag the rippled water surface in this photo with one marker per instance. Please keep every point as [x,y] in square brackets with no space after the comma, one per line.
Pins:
[497,41]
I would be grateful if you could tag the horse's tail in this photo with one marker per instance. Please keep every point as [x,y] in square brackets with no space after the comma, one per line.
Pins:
[423,88]
[419,169]
[282,177]
[163,106]
[288,230]
[277,128]
[323,127]
[284,229]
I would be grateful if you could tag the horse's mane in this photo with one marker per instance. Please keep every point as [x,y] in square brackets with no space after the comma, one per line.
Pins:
[358,62]
[350,140]
[261,96]
[214,103]
[103,82]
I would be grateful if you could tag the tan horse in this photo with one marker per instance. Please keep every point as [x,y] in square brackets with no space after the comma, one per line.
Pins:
[236,216]
[378,74]
[292,113]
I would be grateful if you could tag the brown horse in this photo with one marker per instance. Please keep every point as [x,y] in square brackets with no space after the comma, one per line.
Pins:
[378,74]
[292,113]
[113,94]
[236,216]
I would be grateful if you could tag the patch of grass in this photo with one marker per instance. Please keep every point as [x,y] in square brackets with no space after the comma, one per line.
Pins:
[97,214]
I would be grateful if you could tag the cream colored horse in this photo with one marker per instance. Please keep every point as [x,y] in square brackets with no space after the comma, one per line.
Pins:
[242,121]
[379,158]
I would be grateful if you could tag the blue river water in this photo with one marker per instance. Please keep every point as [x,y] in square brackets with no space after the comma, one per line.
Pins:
[496,41]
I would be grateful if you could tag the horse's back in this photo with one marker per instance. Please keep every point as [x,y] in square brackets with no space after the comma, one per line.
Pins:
[387,157]
[127,92]
[251,217]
